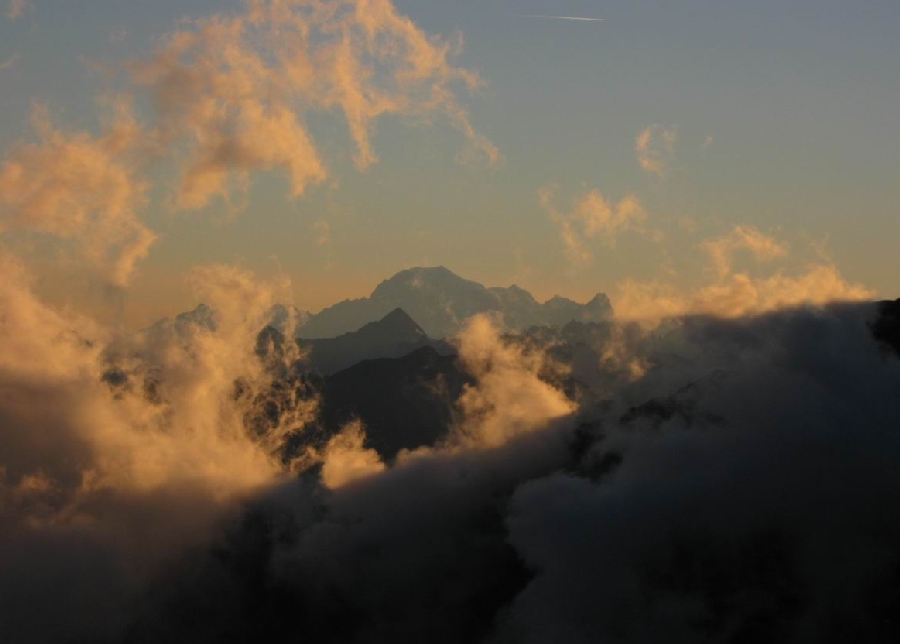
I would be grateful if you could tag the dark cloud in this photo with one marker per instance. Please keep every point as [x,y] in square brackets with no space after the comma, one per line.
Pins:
[741,488]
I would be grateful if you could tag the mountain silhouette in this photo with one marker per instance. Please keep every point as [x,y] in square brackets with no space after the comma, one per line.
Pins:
[393,336]
[440,302]
[404,403]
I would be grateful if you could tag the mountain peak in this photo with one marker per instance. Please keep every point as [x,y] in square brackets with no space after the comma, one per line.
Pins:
[440,301]
[397,324]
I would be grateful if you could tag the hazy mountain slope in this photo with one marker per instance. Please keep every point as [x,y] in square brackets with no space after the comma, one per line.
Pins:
[404,403]
[393,336]
[440,301]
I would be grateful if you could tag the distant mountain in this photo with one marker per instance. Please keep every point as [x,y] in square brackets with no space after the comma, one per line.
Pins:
[393,336]
[204,316]
[440,302]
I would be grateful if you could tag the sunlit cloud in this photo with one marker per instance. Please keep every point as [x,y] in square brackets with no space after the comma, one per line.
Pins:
[655,149]
[721,249]
[80,187]
[592,218]
[509,398]
[233,91]
[728,292]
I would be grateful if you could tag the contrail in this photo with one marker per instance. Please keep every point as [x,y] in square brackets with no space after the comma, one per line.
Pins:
[576,18]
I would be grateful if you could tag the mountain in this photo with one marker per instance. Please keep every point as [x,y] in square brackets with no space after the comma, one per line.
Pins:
[440,301]
[886,327]
[203,316]
[393,336]
[404,403]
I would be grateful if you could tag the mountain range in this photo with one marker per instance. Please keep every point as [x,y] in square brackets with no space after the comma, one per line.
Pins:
[441,301]
[393,336]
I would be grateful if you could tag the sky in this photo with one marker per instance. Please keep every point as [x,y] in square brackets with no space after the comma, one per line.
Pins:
[668,155]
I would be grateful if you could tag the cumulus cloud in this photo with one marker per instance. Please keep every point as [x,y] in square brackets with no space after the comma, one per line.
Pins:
[742,486]
[509,397]
[120,451]
[80,187]
[655,149]
[234,91]
[346,459]
[743,500]
[730,292]
[593,218]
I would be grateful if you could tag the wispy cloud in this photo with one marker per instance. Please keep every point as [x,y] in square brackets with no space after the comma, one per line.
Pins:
[9,62]
[234,90]
[16,8]
[573,18]
[592,217]
[655,149]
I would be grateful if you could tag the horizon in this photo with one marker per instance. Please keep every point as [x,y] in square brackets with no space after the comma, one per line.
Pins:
[673,188]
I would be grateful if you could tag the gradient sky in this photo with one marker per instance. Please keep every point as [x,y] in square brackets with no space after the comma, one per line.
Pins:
[781,116]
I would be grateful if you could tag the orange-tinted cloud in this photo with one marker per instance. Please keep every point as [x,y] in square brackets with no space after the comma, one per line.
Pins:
[655,149]
[508,398]
[593,218]
[80,187]
[233,91]
[731,293]
[722,249]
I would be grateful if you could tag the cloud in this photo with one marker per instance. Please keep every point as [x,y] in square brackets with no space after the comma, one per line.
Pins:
[322,229]
[120,452]
[708,141]
[10,62]
[741,501]
[592,218]
[80,187]
[722,249]
[729,292]
[16,8]
[234,91]
[655,149]
[742,486]
[509,398]
[230,95]
[346,460]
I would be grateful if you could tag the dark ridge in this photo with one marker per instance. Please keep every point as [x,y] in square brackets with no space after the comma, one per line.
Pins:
[886,327]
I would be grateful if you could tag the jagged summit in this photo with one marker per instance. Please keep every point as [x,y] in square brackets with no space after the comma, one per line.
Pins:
[394,335]
[396,326]
[440,301]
